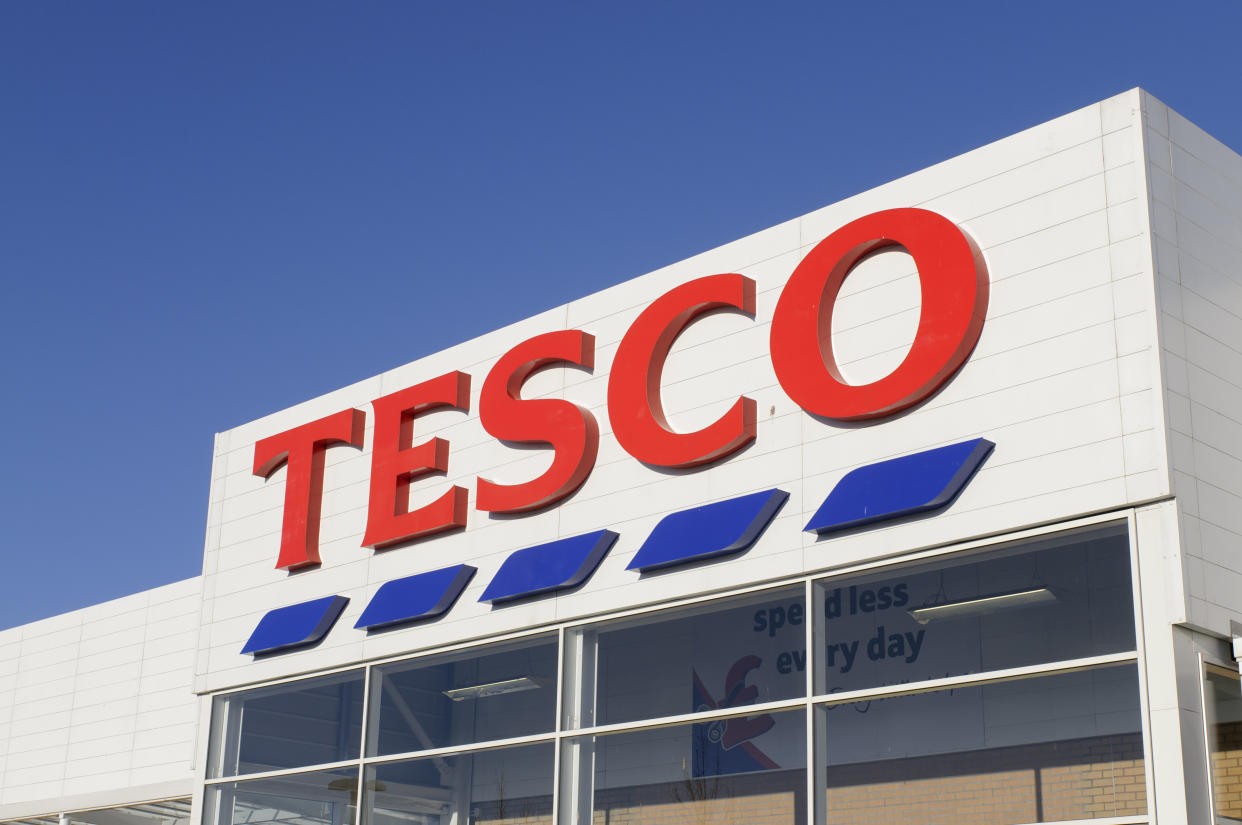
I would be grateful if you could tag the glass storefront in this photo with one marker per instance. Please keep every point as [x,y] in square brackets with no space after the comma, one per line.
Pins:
[999,686]
[1042,602]
[329,797]
[498,692]
[174,811]
[293,725]
[499,785]
[1062,747]
[683,773]
[649,667]
[1223,710]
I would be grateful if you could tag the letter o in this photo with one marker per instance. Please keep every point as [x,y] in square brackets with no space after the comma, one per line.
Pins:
[953,281]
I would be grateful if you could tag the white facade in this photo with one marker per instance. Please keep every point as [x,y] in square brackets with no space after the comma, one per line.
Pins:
[1107,374]
[1070,318]
[97,706]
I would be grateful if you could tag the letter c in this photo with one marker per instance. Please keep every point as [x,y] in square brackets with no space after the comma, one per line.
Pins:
[634,406]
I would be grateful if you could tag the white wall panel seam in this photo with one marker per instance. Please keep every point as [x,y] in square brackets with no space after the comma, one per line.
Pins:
[9,744]
[1035,196]
[1211,266]
[1156,364]
[141,670]
[994,462]
[1217,148]
[993,247]
[1204,320]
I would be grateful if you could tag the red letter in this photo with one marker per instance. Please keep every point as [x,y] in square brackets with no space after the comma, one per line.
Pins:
[634,406]
[303,447]
[570,429]
[954,283]
[395,463]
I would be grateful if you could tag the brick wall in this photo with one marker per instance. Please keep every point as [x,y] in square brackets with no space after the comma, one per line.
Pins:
[1074,779]
[769,798]
[535,810]
[1227,770]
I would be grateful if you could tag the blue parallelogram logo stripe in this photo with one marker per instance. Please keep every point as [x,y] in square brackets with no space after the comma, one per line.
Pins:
[709,531]
[296,625]
[557,565]
[904,486]
[415,598]
[892,489]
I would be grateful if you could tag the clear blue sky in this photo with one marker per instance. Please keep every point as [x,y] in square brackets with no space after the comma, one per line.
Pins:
[212,211]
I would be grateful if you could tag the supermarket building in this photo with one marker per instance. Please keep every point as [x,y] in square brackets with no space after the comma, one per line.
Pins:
[954,539]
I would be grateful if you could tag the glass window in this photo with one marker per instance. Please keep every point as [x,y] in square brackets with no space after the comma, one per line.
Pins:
[159,812]
[292,725]
[502,785]
[1037,747]
[1063,747]
[314,798]
[492,692]
[737,771]
[723,654]
[1224,729]
[1060,598]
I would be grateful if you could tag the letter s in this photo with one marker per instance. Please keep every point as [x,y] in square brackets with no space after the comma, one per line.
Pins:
[570,429]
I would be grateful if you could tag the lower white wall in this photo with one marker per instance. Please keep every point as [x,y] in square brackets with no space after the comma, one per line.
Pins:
[100,700]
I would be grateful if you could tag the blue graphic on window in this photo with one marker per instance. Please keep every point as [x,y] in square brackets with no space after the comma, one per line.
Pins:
[725,746]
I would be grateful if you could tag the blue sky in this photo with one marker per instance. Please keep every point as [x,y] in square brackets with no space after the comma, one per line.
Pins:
[209,212]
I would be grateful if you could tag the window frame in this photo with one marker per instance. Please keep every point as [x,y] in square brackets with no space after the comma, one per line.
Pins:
[569,657]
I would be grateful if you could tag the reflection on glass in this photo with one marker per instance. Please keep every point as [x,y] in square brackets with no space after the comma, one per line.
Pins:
[1224,729]
[316,798]
[161,812]
[727,772]
[504,785]
[309,722]
[492,692]
[1063,597]
[1044,749]
[729,654]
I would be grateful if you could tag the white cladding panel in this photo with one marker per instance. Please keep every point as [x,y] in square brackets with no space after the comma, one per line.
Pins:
[98,700]
[1065,380]
[1195,189]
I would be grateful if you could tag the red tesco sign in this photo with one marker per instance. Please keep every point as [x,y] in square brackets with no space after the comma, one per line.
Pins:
[954,285]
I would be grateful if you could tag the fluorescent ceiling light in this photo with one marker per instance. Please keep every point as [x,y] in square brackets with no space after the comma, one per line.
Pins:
[982,604]
[517,685]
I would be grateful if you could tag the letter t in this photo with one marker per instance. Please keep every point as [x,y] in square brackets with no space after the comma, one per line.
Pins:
[303,448]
